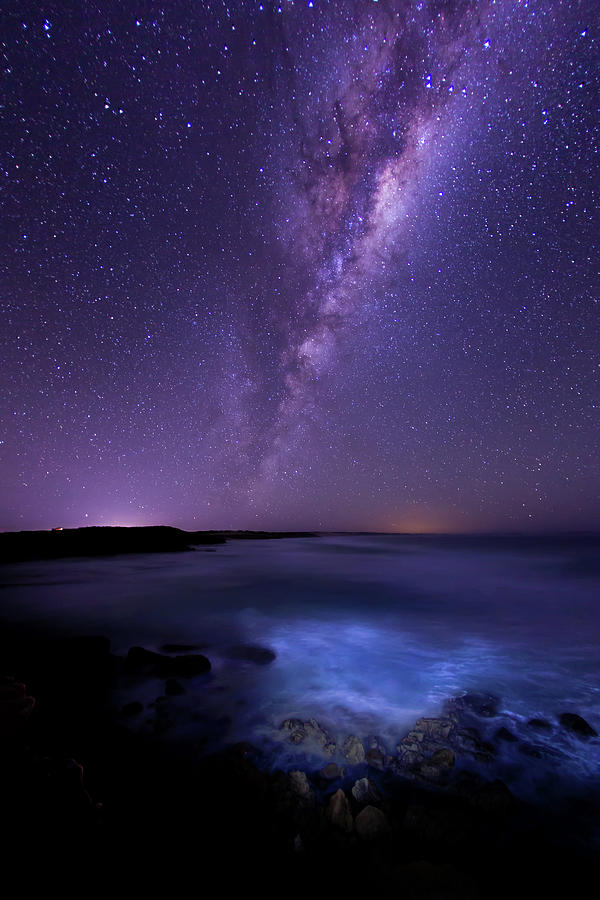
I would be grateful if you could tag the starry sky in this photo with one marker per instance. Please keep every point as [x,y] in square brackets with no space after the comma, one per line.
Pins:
[324,265]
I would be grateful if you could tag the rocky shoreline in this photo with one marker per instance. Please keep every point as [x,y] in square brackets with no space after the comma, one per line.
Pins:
[418,819]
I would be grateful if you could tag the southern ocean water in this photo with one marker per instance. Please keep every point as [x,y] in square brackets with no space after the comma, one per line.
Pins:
[370,632]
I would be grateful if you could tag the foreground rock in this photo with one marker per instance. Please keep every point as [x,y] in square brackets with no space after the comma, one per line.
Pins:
[338,811]
[576,724]
[299,732]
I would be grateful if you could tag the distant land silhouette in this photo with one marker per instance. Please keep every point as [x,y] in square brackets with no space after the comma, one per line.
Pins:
[58,543]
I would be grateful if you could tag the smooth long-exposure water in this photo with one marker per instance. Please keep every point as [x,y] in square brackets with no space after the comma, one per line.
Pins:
[370,631]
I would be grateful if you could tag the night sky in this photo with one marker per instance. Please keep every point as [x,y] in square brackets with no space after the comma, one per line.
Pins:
[319,264]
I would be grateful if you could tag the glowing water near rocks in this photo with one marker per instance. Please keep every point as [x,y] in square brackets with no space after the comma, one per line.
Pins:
[370,632]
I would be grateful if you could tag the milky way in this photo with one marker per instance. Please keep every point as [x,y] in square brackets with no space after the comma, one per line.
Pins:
[301,265]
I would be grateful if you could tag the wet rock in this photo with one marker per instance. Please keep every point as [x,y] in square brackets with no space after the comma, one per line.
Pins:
[299,731]
[296,732]
[353,750]
[503,734]
[371,823]
[478,703]
[299,784]
[330,772]
[436,729]
[540,724]
[338,811]
[409,757]
[443,758]
[187,666]
[262,656]
[375,759]
[133,709]
[468,739]
[173,687]
[365,791]
[577,725]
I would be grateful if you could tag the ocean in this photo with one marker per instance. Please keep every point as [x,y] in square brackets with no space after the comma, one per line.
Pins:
[370,632]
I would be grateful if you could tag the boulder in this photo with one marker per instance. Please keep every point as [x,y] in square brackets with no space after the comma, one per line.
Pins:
[540,724]
[338,811]
[371,823]
[299,731]
[365,792]
[330,772]
[375,759]
[299,784]
[577,725]
[186,666]
[476,702]
[353,750]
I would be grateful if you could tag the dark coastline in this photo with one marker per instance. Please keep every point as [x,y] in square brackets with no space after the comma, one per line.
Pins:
[21,546]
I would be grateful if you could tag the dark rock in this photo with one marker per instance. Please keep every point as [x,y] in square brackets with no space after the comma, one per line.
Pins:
[479,703]
[443,758]
[375,759]
[330,772]
[173,687]
[260,655]
[503,734]
[577,725]
[371,823]
[187,666]
[540,724]
[138,659]
[133,709]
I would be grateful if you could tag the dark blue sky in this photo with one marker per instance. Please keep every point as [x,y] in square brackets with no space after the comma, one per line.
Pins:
[303,265]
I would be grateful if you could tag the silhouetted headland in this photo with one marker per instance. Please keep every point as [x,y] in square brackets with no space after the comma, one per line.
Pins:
[17,546]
